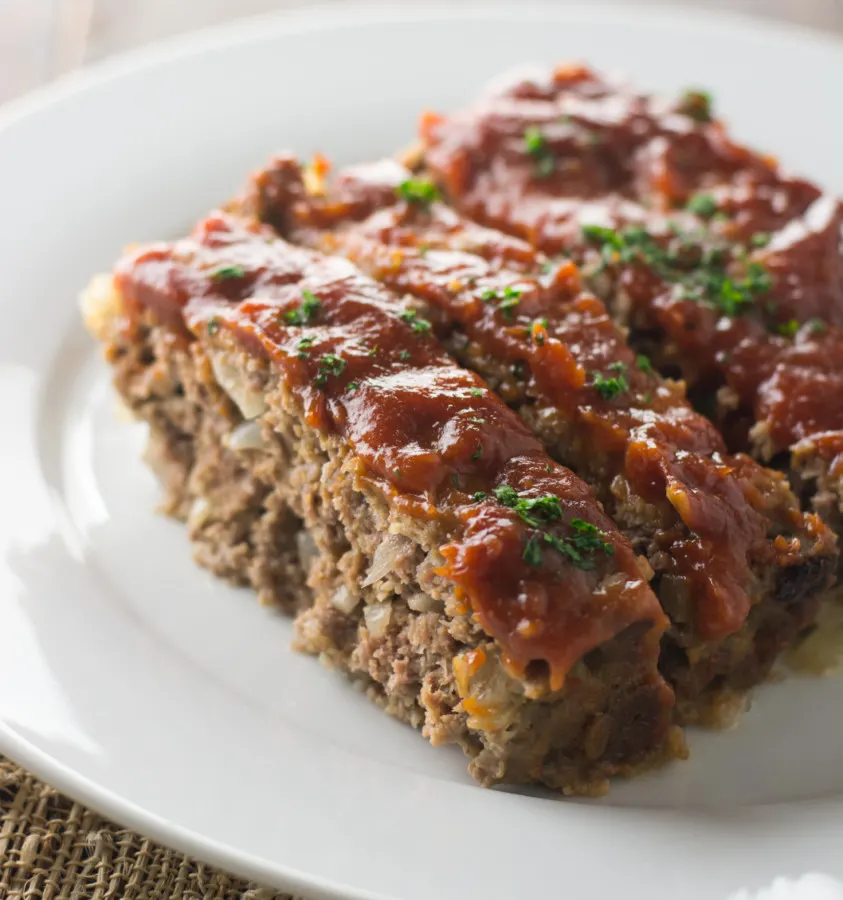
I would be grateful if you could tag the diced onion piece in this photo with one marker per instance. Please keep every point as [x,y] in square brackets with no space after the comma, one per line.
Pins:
[421,602]
[199,513]
[343,600]
[306,547]
[246,436]
[249,401]
[389,551]
[377,616]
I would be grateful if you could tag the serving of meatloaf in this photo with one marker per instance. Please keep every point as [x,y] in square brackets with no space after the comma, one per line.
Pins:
[324,448]
[495,429]
[727,271]
[737,567]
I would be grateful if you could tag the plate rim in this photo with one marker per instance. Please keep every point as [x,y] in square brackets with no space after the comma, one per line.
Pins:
[273,26]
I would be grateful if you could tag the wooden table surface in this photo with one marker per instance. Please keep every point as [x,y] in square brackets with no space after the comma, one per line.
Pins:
[41,39]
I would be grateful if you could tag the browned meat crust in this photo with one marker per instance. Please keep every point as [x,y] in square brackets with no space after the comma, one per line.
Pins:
[547,348]
[247,451]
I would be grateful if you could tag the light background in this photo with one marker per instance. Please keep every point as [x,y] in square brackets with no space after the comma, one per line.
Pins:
[40,39]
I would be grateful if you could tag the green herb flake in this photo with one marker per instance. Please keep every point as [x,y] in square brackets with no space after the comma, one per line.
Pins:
[475,392]
[702,205]
[414,320]
[643,363]
[418,192]
[760,239]
[532,554]
[213,326]
[479,495]
[224,273]
[696,104]
[476,420]
[455,480]
[352,385]
[404,355]
[535,144]
[507,299]
[817,326]
[789,328]
[647,398]
[609,388]
[329,364]
[478,452]
[304,346]
[305,312]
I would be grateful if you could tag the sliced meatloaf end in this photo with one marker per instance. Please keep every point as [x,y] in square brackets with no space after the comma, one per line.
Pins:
[724,268]
[738,568]
[487,600]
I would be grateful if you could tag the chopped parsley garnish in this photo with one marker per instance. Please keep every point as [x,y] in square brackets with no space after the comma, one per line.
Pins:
[304,346]
[507,299]
[647,398]
[760,239]
[533,510]
[213,326]
[223,273]
[404,354]
[423,250]
[699,272]
[696,104]
[329,364]
[479,495]
[305,312]
[414,320]
[352,385]
[817,326]
[611,388]
[418,192]
[532,554]
[478,452]
[702,205]
[475,392]
[536,146]
[789,328]
[476,420]
[536,512]
[643,363]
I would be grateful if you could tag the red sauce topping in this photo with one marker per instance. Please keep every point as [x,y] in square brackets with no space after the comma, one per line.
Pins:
[714,522]
[545,570]
[542,158]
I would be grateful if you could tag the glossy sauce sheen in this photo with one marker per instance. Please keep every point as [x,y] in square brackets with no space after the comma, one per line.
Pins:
[670,456]
[616,158]
[415,420]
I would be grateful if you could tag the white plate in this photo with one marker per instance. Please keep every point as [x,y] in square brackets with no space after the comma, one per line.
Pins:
[135,682]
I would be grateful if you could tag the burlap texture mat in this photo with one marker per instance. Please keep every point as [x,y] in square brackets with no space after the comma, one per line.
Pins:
[54,849]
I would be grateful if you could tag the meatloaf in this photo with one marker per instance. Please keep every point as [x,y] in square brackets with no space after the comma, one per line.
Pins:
[727,271]
[737,567]
[325,449]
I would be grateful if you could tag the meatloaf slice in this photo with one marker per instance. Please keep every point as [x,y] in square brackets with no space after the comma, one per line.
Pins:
[739,569]
[481,596]
[726,270]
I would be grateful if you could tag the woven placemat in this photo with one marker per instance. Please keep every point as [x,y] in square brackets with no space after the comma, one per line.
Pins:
[54,849]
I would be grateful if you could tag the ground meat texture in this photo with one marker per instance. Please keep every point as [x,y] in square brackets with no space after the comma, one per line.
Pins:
[284,486]
[738,568]
[725,269]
